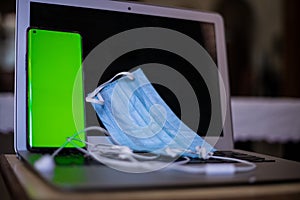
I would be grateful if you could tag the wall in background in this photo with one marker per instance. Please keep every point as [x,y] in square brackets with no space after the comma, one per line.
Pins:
[262,27]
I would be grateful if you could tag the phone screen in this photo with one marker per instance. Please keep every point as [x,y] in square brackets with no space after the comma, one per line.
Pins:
[55,96]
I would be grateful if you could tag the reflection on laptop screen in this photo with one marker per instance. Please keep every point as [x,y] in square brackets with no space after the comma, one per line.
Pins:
[96,26]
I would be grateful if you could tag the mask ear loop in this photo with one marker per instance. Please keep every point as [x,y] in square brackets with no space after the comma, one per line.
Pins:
[91,96]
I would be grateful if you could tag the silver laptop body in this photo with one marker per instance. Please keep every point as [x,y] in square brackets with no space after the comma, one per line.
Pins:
[48,14]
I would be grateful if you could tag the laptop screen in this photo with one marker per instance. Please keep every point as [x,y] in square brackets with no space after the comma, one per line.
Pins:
[96,26]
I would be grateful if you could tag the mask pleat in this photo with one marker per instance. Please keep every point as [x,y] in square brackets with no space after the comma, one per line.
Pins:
[136,116]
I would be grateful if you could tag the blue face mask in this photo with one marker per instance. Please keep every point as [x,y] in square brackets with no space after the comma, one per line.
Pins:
[136,116]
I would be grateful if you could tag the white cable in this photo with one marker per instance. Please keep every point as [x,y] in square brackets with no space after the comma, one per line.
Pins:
[46,163]
[91,128]
[104,149]
[107,154]
[216,169]
[251,166]
[125,155]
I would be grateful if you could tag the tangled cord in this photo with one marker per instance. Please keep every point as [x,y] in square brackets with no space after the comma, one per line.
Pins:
[122,156]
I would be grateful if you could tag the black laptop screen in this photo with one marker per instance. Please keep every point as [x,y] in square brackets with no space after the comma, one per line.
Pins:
[96,26]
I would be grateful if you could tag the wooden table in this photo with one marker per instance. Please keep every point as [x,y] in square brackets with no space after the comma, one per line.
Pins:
[21,183]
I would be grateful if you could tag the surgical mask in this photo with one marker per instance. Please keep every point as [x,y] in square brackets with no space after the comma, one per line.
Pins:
[136,116]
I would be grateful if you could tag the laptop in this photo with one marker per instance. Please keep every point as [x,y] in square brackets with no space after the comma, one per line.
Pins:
[183,54]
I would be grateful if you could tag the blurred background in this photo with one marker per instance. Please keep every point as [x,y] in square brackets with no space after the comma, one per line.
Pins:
[262,38]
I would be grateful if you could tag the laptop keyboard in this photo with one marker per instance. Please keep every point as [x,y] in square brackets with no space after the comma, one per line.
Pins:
[230,154]
[80,159]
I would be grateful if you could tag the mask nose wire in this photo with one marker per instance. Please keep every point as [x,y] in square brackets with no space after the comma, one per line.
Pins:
[91,96]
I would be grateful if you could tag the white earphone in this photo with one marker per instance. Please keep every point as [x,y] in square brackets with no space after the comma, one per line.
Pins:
[45,164]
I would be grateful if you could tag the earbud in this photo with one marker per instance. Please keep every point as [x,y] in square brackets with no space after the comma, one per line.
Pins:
[45,164]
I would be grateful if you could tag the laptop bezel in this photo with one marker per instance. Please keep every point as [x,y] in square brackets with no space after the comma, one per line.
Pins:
[22,23]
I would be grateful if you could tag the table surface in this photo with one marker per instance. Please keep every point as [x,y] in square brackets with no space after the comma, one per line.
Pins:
[22,183]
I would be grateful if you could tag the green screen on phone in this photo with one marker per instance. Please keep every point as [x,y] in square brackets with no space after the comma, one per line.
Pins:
[55,94]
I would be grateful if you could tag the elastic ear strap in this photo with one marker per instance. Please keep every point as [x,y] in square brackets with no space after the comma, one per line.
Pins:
[91,96]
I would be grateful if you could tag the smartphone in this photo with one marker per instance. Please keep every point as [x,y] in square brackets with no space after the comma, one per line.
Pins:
[55,94]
